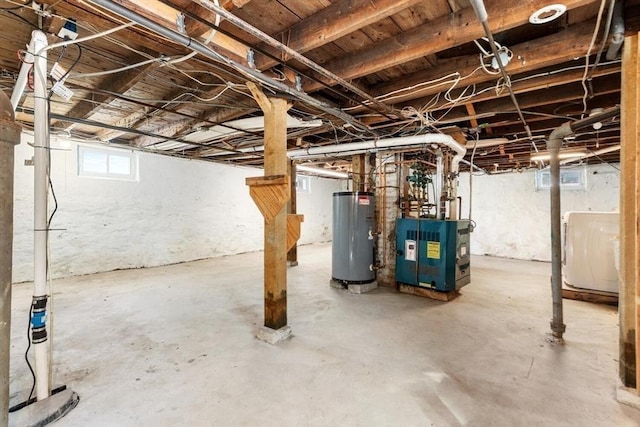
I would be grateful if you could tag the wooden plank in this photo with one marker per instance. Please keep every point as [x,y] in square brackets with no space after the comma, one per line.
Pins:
[357,172]
[427,293]
[435,36]
[270,194]
[608,298]
[275,234]
[537,98]
[293,229]
[119,82]
[545,51]
[267,180]
[292,209]
[333,22]
[275,231]
[629,213]
[635,258]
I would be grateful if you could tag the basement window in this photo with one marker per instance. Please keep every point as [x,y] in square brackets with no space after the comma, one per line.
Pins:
[303,184]
[570,179]
[107,163]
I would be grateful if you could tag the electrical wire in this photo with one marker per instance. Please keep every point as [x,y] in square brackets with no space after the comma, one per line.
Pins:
[26,21]
[591,44]
[210,37]
[26,353]
[119,70]
[605,36]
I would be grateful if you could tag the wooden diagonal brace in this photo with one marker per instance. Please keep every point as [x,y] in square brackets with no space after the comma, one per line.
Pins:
[293,229]
[270,194]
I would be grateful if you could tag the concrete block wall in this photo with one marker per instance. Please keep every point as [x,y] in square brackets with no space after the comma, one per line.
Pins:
[179,210]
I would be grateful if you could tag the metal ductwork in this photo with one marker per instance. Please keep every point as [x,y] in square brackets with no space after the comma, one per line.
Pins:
[617,31]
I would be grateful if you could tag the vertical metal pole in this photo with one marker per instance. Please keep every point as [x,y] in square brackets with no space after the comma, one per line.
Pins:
[555,142]
[41,194]
[557,325]
[9,137]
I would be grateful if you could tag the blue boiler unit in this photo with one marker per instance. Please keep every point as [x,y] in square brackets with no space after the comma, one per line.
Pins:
[433,254]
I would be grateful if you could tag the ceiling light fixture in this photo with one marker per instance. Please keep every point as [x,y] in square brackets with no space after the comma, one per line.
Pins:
[547,13]
[324,172]
[596,125]
[563,155]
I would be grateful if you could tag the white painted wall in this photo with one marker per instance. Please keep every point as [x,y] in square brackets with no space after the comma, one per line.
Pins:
[513,219]
[179,210]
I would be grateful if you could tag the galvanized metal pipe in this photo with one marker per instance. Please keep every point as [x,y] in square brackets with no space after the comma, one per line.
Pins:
[617,31]
[250,73]
[555,142]
[9,137]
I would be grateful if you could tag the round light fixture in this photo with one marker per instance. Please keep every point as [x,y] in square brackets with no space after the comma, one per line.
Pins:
[547,13]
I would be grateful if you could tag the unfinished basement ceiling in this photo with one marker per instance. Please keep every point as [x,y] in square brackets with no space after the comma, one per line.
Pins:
[397,68]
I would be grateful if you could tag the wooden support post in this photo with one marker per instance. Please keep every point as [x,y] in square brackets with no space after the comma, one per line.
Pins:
[275,230]
[629,198]
[358,172]
[406,210]
[292,255]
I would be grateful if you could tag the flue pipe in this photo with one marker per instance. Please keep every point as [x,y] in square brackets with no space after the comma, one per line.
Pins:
[40,216]
[9,137]
[617,31]
[555,142]
[250,73]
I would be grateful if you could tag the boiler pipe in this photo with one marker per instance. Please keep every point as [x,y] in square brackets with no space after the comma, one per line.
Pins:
[439,185]
[429,138]
[9,137]
[555,142]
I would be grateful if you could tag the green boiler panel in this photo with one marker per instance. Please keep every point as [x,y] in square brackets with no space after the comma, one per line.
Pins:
[433,254]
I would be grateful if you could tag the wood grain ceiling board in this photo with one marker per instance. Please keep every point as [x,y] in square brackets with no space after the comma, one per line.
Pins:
[276,17]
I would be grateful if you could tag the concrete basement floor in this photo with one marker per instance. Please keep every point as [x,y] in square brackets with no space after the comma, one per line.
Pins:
[175,346]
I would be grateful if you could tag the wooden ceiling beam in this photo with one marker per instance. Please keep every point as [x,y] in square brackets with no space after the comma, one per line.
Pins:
[537,98]
[546,51]
[435,36]
[331,23]
[168,16]
[529,85]
[119,82]
[179,127]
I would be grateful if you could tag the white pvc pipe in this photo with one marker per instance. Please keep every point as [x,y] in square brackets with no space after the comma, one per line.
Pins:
[21,82]
[439,182]
[400,142]
[41,194]
[481,11]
